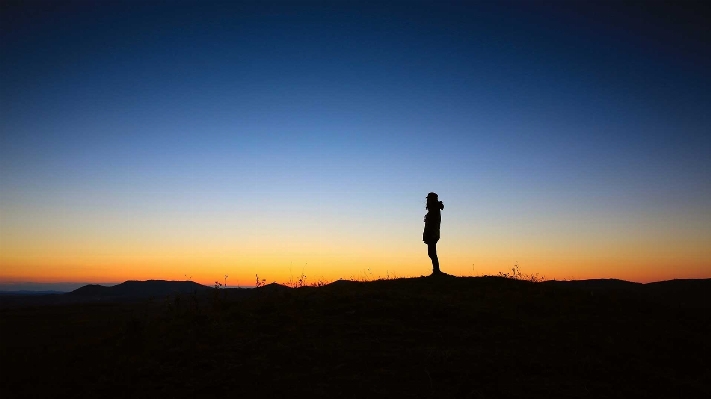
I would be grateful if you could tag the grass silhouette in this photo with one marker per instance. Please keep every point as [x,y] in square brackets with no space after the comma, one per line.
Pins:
[495,336]
[517,275]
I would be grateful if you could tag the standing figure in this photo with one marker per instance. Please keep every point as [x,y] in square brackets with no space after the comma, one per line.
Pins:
[430,236]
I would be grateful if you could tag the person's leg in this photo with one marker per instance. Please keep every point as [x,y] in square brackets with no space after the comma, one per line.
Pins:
[432,252]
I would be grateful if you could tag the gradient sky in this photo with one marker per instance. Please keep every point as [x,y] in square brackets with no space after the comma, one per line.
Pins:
[165,140]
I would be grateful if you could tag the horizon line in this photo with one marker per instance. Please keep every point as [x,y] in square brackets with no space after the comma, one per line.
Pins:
[5,287]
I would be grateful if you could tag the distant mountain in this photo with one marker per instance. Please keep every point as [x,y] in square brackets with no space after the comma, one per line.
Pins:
[30,292]
[681,285]
[138,289]
[693,293]
[60,287]
[596,284]
[676,285]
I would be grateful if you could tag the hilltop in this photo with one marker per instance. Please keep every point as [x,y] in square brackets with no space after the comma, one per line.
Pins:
[128,291]
[418,337]
[693,292]
[138,289]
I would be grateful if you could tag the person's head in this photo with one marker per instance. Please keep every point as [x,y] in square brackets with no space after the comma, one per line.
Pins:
[433,202]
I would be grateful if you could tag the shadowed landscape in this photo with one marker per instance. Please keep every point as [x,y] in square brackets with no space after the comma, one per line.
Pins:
[411,337]
[151,142]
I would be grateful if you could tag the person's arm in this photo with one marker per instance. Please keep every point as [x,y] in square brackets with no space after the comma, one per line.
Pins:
[428,229]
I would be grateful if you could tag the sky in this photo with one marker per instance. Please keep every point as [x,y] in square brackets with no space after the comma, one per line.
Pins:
[193,140]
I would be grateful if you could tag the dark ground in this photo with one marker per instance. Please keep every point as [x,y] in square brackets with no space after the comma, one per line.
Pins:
[478,337]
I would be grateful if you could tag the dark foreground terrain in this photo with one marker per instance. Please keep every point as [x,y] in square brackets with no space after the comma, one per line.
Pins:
[479,337]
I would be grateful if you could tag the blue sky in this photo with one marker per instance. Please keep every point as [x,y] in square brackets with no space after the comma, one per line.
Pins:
[155,118]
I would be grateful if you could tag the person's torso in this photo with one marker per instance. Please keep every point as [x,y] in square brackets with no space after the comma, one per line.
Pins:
[433,219]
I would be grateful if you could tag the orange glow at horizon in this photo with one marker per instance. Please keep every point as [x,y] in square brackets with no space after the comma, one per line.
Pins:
[206,267]
[279,243]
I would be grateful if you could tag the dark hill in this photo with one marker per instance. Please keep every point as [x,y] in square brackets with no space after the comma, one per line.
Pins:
[681,285]
[139,289]
[686,292]
[273,287]
[600,284]
[90,290]
[676,285]
[691,293]
[29,293]
[427,337]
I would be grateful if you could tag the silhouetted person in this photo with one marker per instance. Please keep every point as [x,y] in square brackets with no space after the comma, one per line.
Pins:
[431,234]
